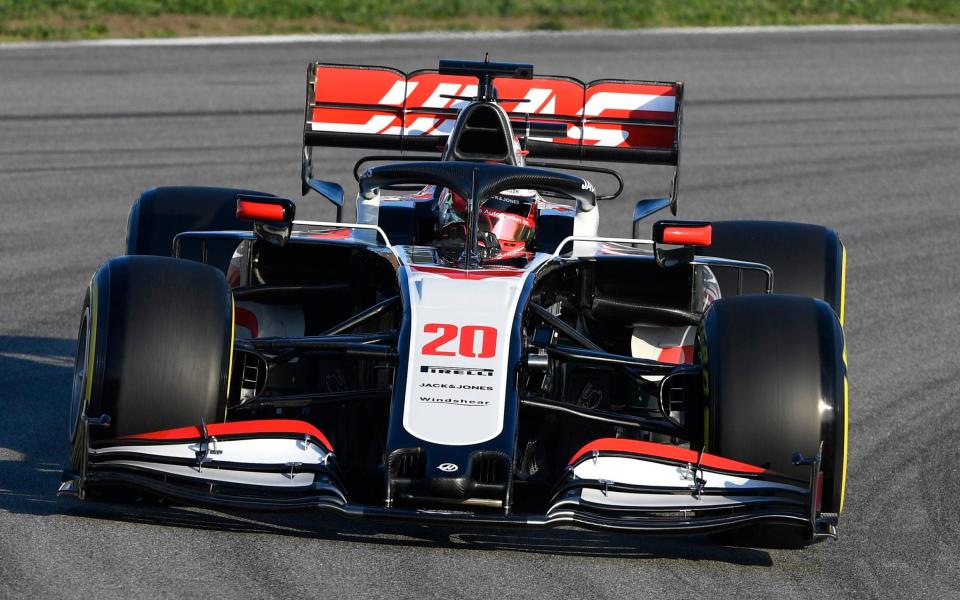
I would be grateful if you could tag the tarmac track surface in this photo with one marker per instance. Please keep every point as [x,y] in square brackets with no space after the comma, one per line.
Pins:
[857,130]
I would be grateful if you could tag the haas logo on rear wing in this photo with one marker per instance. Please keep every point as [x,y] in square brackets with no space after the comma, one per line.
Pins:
[379,107]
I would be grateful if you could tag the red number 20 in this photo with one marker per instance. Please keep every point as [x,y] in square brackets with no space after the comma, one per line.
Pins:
[468,340]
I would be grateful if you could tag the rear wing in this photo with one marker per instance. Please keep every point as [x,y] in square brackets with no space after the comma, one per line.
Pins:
[383,108]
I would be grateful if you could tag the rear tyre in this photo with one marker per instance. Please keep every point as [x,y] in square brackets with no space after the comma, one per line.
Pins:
[154,350]
[775,384]
[807,260]
[162,213]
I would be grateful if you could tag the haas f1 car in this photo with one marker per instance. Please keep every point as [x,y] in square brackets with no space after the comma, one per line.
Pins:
[470,350]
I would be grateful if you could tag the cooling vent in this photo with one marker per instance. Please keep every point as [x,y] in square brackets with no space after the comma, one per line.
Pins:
[489,468]
[408,464]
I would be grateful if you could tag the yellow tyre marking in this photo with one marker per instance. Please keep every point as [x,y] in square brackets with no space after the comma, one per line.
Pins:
[843,297]
[843,283]
[233,336]
[846,387]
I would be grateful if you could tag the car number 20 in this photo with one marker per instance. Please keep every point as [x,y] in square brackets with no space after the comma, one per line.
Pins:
[470,337]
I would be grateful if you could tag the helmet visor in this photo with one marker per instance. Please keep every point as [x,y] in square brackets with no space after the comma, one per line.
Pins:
[506,226]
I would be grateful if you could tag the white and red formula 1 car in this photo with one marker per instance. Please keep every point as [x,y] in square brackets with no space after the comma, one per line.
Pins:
[469,350]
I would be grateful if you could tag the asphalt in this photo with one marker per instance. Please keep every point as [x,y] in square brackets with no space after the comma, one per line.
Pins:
[857,130]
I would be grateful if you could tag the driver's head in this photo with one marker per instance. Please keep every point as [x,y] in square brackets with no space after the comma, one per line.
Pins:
[509,215]
[506,223]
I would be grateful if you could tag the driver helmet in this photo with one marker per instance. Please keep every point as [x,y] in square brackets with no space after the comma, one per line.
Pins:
[508,216]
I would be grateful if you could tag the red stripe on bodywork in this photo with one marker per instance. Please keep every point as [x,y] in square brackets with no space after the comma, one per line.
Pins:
[469,274]
[668,452]
[333,234]
[288,426]
[245,318]
[678,355]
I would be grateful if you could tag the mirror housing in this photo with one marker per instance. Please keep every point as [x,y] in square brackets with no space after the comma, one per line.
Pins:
[683,233]
[681,237]
[272,217]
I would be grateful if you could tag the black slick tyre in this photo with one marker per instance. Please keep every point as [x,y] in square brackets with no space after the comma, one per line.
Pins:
[807,260]
[160,214]
[774,380]
[154,350]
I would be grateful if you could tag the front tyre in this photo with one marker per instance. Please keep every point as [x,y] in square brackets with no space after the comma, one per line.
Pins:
[153,351]
[775,384]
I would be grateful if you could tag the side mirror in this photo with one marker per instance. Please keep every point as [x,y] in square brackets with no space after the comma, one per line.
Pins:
[683,233]
[644,209]
[329,190]
[682,237]
[272,217]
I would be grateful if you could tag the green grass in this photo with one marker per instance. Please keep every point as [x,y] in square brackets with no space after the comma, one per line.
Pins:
[50,19]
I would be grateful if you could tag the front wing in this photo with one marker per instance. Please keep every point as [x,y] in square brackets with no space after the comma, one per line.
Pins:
[610,484]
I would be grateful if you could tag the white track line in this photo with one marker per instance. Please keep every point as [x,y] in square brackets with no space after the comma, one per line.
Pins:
[341,38]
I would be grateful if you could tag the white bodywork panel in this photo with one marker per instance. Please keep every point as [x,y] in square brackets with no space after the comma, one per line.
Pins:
[368,209]
[635,471]
[266,451]
[665,501]
[269,320]
[453,398]
[586,224]
[649,341]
